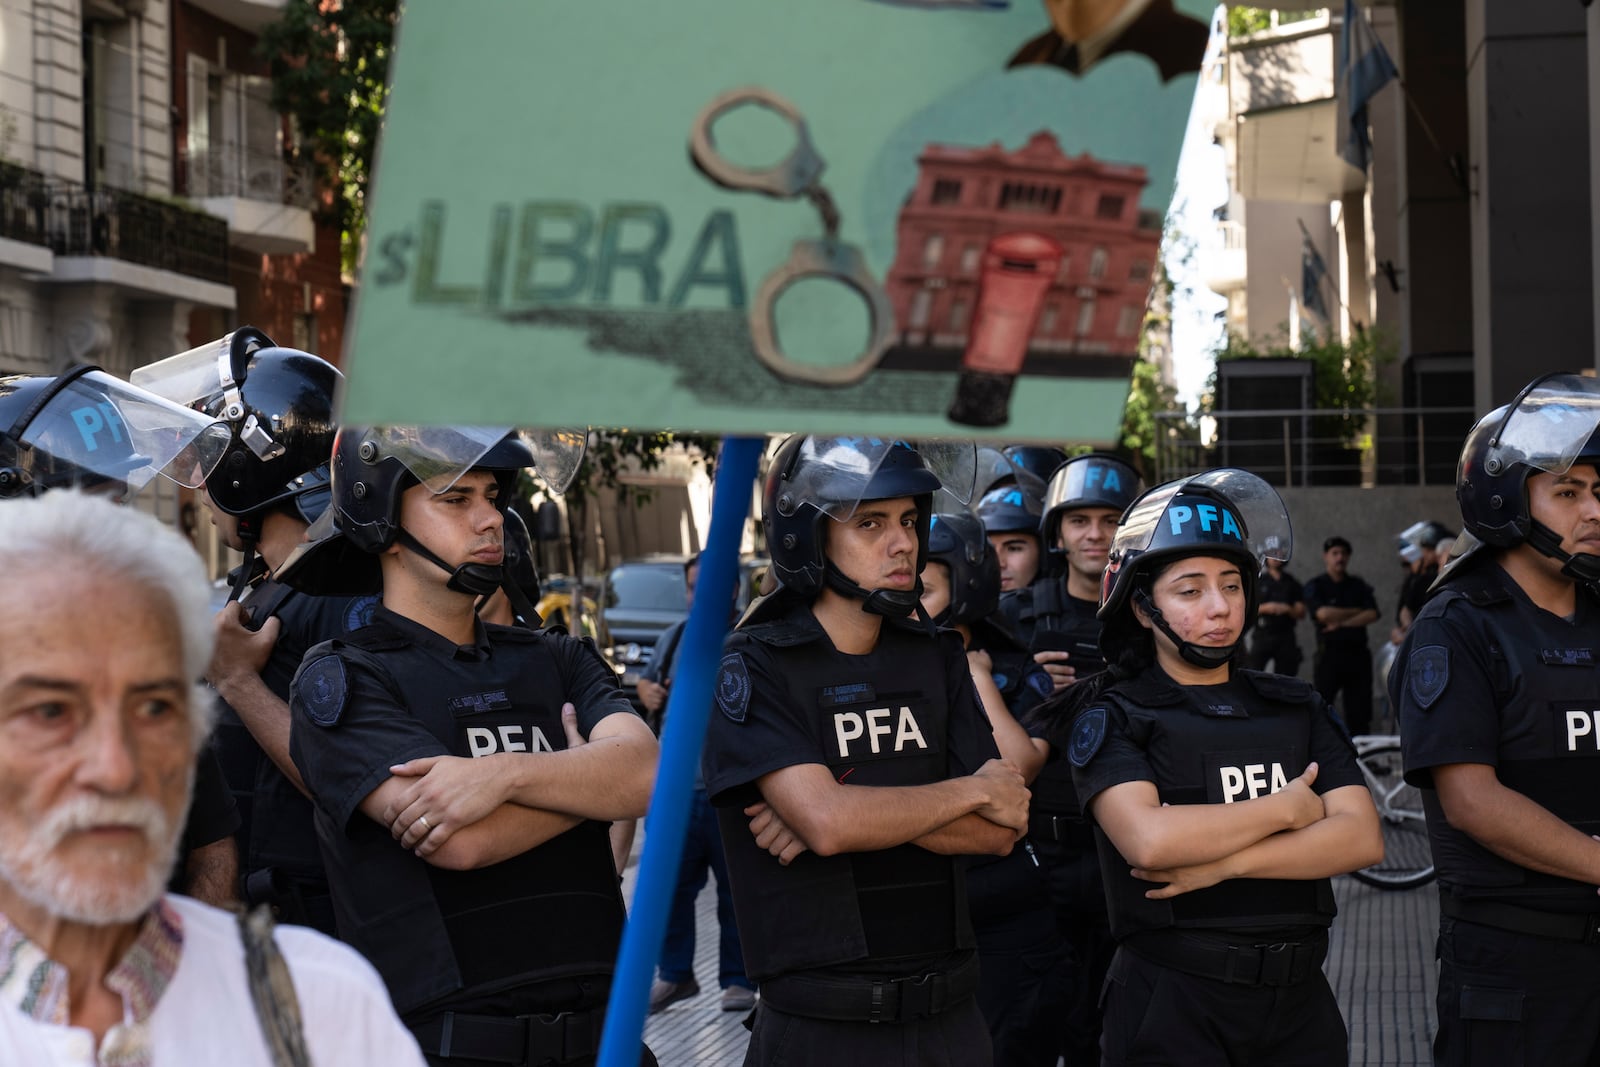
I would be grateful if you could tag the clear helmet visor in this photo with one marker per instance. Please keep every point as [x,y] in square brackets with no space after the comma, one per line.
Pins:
[1158,519]
[439,455]
[835,474]
[190,377]
[98,428]
[1548,427]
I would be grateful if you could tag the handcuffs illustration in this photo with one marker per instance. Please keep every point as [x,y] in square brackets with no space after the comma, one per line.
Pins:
[797,175]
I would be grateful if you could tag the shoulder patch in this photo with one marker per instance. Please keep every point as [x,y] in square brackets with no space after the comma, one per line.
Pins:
[1427,674]
[322,689]
[358,612]
[1088,734]
[733,687]
[1040,682]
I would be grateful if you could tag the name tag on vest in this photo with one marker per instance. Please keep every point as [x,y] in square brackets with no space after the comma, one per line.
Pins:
[837,696]
[480,703]
[1567,657]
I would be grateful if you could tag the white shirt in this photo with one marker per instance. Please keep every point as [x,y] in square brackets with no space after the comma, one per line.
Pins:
[206,1018]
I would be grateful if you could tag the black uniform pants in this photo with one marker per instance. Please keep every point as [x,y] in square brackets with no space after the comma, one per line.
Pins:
[1348,670]
[1277,647]
[1157,1015]
[954,1038]
[1025,979]
[1078,893]
[1510,999]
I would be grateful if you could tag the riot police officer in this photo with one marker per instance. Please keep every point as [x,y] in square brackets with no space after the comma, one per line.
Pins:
[1010,517]
[1495,689]
[462,820]
[85,429]
[851,763]
[1082,506]
[1223,799]
[271,484]
[1024,962]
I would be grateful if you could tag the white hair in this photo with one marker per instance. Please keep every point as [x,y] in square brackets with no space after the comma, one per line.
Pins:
[69,529]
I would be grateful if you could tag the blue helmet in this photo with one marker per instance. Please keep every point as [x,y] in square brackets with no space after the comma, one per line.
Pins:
[958,541]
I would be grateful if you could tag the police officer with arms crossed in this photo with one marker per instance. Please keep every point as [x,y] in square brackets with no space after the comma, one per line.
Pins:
[1082,506]
[1496,693]
[1023,959]
[271,485]
[852,762]
[88,430]
[1233,796]
[462,821]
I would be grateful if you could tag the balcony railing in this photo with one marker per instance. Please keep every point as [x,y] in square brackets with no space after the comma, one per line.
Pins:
[1373,446]
[72,220]
[238,170]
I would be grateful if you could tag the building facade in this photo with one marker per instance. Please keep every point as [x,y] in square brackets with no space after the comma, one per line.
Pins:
[965,198]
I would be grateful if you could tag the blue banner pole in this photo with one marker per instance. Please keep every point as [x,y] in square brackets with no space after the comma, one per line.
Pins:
[688,707]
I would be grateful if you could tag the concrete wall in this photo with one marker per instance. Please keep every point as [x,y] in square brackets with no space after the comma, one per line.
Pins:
[1369,519]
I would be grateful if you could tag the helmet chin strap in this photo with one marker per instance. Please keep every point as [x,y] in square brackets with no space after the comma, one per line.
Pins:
[890,603]
[1579,566]
[478,579]
[1206,657]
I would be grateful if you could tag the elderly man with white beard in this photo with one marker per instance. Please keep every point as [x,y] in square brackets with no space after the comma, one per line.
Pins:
[104,631]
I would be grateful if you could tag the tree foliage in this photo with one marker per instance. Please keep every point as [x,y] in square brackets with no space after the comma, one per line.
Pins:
[1149,396]
[330,74]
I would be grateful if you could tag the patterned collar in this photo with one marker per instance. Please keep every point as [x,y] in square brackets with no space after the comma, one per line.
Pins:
[37,985]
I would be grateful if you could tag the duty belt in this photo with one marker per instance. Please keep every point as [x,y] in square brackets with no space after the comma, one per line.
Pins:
[524,1040]
[864,999]
[1560,926]
[1282,963]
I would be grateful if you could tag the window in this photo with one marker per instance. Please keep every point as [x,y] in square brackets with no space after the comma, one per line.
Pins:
[1128,320]
[1110,207]
[969,259]
[235,142]
[1039,199]
[932,251]
[1085,317]
[1047,321]
[1097,263]
[921,304]
[946,191]
[1139,272]
[958,315]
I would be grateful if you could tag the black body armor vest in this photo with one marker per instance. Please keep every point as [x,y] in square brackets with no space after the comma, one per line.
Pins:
[881,720]
[1217,745]
[462,936]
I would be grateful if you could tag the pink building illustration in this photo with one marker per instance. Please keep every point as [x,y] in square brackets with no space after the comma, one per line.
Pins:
[965,197]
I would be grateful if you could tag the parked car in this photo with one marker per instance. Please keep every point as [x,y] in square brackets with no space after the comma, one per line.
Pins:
[638,600]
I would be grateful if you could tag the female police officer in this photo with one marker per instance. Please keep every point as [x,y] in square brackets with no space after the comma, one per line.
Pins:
[1231,795]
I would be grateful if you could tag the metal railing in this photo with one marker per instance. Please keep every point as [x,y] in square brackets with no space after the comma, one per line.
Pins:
[1370,446]
[72,220]
[239,170]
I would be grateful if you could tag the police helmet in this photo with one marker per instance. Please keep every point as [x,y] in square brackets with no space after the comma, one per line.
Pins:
[957,540]
[993,470]
[86,429]
[1040,461]
[1425,534]
[278,402]
[373,466]
[1553,424]
[1092,480]
[816,479]
[1010,509]
[1228,513]
[521,563]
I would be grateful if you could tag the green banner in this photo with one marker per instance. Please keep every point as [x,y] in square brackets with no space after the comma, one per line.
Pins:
[908,217]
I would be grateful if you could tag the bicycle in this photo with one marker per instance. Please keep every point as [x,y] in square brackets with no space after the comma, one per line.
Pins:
[1407,855]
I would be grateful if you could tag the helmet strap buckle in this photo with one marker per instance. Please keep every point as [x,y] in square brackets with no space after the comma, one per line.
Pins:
[259,441]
